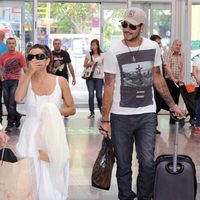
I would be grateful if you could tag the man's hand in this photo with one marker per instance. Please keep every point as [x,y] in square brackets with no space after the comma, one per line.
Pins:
[105,129]
[177,111]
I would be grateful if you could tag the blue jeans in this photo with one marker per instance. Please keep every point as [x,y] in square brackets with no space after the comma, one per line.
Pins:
[9,88]
[197,110]
[141,129]
[94,84]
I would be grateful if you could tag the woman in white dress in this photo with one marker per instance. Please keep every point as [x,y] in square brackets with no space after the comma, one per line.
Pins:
[38,87]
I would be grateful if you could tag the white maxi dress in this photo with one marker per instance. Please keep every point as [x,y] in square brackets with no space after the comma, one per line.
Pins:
[45,188]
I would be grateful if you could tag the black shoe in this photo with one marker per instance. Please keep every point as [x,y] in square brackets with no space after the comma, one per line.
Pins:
[158,132]
[91,116]
[141,198]
[17,121]
[9,128]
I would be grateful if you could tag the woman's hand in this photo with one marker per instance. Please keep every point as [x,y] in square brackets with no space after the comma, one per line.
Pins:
[3,138]
[91,63]
[35,65]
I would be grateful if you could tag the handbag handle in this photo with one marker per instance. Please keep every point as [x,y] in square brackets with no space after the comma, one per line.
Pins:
[2,155]
[91,56]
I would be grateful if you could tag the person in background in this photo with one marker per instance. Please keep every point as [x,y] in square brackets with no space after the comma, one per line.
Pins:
[95,83]
[158,98]
[131,67]
[28,47]
[11,62]
[196,73]
[39,87]
[3,49]
[174,63]
[157,39]
[61,62]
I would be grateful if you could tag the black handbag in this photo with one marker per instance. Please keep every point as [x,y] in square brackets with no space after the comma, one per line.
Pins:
[7,155]
[102,169]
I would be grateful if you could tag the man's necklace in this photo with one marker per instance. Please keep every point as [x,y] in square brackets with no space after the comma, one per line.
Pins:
[133,54]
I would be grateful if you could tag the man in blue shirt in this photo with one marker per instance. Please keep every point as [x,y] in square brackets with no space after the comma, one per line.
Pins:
[3,48]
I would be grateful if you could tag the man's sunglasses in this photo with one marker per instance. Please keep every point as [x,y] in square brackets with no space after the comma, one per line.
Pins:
[39,56]
[131,26]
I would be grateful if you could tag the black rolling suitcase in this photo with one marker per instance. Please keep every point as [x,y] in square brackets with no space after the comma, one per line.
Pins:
[175,177]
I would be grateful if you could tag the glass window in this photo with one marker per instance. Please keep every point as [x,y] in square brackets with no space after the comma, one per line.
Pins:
[111,26]
[159,18]
[195,30]
[10,22]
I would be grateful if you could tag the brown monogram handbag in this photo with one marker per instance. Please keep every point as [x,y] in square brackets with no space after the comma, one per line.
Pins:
[102,169]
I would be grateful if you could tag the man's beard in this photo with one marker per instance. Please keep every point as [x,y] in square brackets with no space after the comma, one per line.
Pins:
[133,38]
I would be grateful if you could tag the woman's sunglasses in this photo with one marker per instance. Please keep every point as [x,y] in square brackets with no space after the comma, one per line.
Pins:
[39,56]
[131,26]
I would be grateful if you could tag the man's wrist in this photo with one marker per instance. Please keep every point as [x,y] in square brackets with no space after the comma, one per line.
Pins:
[105,121]
[172,108]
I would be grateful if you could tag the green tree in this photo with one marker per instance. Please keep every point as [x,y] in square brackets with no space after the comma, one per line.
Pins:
[74,17]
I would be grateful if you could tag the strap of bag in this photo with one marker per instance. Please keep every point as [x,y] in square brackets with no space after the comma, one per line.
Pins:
[94,66]
[91,56]
[2,155]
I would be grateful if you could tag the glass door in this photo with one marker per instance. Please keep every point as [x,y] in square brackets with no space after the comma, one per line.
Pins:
[11,20]
[195,30]
[193,50]
[159,19]
[111,14]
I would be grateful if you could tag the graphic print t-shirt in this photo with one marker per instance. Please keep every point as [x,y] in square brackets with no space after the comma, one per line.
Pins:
[12,64]
[60,61]
[133,93]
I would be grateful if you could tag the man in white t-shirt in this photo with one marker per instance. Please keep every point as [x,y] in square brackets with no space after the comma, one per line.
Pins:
[131,68]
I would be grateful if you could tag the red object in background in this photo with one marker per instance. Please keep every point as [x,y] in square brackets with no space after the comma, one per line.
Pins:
[190,88]
[8,31]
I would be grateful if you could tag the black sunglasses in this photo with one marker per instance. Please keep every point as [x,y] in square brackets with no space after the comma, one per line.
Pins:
[131,26]
[39,56]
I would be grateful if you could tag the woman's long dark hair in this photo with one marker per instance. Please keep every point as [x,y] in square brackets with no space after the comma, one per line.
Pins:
[46,51]
[98,47]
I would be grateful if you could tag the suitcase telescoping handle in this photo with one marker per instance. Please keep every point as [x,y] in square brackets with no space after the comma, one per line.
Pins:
[177,167]
[175,154]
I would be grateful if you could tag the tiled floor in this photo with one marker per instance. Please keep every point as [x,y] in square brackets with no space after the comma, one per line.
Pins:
[84,142]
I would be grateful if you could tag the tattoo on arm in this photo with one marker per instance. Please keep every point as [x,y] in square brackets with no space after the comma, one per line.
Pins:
[162,87]
[108,95]
[108,79]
